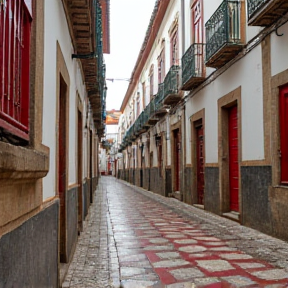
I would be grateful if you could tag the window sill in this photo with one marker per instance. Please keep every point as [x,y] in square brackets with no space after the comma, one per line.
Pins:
[18,162]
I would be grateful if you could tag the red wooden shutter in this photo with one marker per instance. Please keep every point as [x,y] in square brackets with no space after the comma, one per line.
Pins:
[283,107]
[15,26]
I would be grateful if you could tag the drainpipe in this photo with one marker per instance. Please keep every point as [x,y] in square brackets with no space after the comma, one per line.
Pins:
[183,25]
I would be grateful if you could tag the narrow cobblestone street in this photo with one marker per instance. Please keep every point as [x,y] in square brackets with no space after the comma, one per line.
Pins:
[133,238]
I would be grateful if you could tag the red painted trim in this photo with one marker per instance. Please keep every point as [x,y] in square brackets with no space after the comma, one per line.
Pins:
[13,130]
[144,52]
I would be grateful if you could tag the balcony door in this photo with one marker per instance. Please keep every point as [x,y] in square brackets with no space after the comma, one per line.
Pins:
[197,23]
[197,35]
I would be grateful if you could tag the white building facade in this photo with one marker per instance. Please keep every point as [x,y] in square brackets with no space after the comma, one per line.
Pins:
[205,114]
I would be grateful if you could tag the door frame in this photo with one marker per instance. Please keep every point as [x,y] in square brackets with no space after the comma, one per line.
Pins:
[194,120]
[224,103]
[62,76]
[176,126]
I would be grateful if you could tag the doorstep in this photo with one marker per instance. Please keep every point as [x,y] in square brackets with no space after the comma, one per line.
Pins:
[200,206]
[232,215]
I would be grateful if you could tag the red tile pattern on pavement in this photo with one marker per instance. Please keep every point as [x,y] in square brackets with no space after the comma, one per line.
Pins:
[180,251]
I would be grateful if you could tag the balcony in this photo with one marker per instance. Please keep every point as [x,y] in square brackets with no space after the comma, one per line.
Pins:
[171,86]
[225,33]
[160,108]
[193,73]
[265,12]
[152,118]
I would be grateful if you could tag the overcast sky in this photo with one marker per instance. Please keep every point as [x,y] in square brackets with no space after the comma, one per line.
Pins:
[129,20]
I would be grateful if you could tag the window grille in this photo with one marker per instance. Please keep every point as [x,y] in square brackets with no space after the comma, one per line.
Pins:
[15,26]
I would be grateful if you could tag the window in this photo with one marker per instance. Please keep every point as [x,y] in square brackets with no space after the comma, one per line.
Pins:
[174,47]
[283,111]
[197,27]
[161,63]
[143,95]
[15,26]
[138,105]
[151,80]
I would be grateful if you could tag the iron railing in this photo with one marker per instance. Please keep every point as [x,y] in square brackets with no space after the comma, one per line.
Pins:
[193,62]
[254,6]
[223,27]
[159,97]
[171,81]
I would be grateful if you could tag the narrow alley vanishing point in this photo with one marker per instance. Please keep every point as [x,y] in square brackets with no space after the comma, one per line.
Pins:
[134,238]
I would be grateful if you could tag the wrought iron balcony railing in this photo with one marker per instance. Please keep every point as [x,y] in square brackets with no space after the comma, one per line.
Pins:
[224,33]
[171,81]
[159,97]
[265,12]
[193,66]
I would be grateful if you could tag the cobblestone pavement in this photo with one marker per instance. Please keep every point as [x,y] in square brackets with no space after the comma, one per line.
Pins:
[134,238]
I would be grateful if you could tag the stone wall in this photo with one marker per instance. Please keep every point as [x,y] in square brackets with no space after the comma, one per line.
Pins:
[211,192]
[72,221]
[34,261]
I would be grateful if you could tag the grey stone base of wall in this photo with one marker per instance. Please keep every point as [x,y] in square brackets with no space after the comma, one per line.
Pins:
[94,186]
[157,181]
[29,253]
[212,193]
[187,185]
[256,210]
[137,176]
[86,197]
[146,178]
[131,176]
[168,184]
[72,221]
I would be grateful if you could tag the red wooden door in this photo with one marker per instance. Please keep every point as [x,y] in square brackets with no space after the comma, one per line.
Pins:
[233,159]
[177,151]
[200,165]
[283,110]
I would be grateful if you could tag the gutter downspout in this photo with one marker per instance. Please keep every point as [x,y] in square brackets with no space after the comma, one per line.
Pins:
[183,25]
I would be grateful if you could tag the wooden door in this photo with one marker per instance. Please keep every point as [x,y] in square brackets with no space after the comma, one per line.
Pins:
[62,167]
[200,164]
[233,159]
[283,111]
[177,151]
[80,171]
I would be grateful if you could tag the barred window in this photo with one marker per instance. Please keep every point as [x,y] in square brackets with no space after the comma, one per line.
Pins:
[15,26]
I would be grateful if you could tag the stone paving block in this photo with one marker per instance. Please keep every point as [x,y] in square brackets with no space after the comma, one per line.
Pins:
[175,236]
[161,248]
[186,273]
[170,263]
[215,265]
[192,249]
[158,241]
[168,255]
[235,256]
[138,284]
[186,241]
[206,281]
[250,265]
[239,281]
[272,274]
